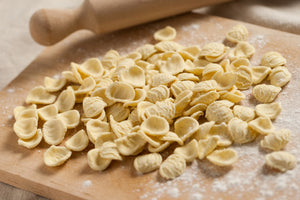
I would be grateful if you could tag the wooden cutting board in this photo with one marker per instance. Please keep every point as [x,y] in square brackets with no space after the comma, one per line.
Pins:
[249,178]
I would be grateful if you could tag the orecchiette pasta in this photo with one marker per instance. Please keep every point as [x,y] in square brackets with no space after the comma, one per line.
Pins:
[70,118]
[240,132]
[271,110]
[26,128]
[185,127]
[223,157]
[66,100]
[54,131]
[281,160]
[147,163]
[237,33]
[244,113]
[167,33]
[273,59]
[155,126]
[78,142]
[96,162]
[93,106]
[276,140]
[262,125]
[31,142]
[259,73]
[218,112]
[39,95]
[48,112]
[172,167]
[206,146]
[189,151]
[54,85]
[265,93]
[279,76]
[55,156]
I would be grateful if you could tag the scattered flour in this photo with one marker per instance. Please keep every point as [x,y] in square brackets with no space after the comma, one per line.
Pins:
[11,90]
[173,192]
[86,184]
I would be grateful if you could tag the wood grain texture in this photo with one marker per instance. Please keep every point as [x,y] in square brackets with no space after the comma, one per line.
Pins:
[25,168]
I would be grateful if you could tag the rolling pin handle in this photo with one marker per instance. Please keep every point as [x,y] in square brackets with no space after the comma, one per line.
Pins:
[49,26]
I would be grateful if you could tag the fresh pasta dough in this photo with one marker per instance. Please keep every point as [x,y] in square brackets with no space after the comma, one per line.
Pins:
[163,99]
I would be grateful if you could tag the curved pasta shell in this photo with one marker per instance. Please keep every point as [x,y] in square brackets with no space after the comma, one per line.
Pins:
[276,140]
[237,33]
[118,111]
[54,85]
[210,70]
[273,59]
[66,100]
[134,75]
[31,142]
[189,151]
[54,131]
[279,76]
[136,56]
[206,146]
[271,110]
[122,128]
[242,50]
[185,127]
[110,59]
[160,148]
[240,132]
[70,118]
[146,50]
[233,95]
[223,157]
[155,126]
[218,112]
[108,150]
[165,109]
[131,144]
[95,128]
[27,113]
[225,80]
[93,106]
[196,108]
[173,65]
[159,93]
[104,137]
[26,128]
[281,161]
[190,53]
[213,49]
[92,67]
[39,95]
[166,46]
[87,85]
[55,156]
[120,92]
[96,162]
[205,86]
[167,33]
[172,137]
[180,86]
[265,93]
[239,63]
[244,113]
[20,109]
[182,101]
[203,130]
[194,67]
[140,95]
[147,163]
[78,142]
[223,134]
[243,78]
[187,77]
[48,112]
[103,82]
[162,79]
[205,98]
[69,77]
[262,125]
[100,92]
[172,167]
[259,73]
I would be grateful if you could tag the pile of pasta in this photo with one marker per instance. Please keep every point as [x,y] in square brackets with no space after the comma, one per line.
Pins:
[162,94]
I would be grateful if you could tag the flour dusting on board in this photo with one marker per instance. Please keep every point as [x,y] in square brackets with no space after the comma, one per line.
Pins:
[249,174]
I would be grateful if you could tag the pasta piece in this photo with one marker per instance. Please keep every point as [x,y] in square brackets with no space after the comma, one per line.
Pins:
[100,92]
[120,92]
[93,106]
[96,162]
[218,112]
[243,78]
[131,144]
[26,128]
[172,137]
[108,150]
[196,66]
[279,76]
[172,167]
[162,79]
[237,33]
[262,125]
[20,109]
[182,101]
[39,95]
[155,126]
[205,98]
[147,163]
[146,51]
[239,63]
[154,141]
[136,56]
[159,93]
[69,77]
[190,52]
[213,52]
[96,128]
[118,111]
[223,134]
[273,59]
[167,33]
[165,109]
[166,46]
[180,86]
[265,93]
[103,82]
[70,118]
[55,156]
[173,65]
[27,113]
[225,80]
[87,85]
[185,127]
[259,73]
[203,131]
[187,77]
[271,110]
[110,59]
[223,157]
[78,142]
[54,131]
[205,86]
[196,108]
[54,85]
[239,131]
[276,140]
[281,161]
[140,95]
[206,146]
[66,100]
[92,67]
[233,95]
[48,112]
[244,113]
[160,148]
[225,64]
[134,75]
[104,137]
[31,142]
[189,151]
[124,63]
[210,69]
[227,103]
[242,50]
[122,128]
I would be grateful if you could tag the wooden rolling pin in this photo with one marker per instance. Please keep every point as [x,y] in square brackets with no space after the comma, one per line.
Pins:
[49,26]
